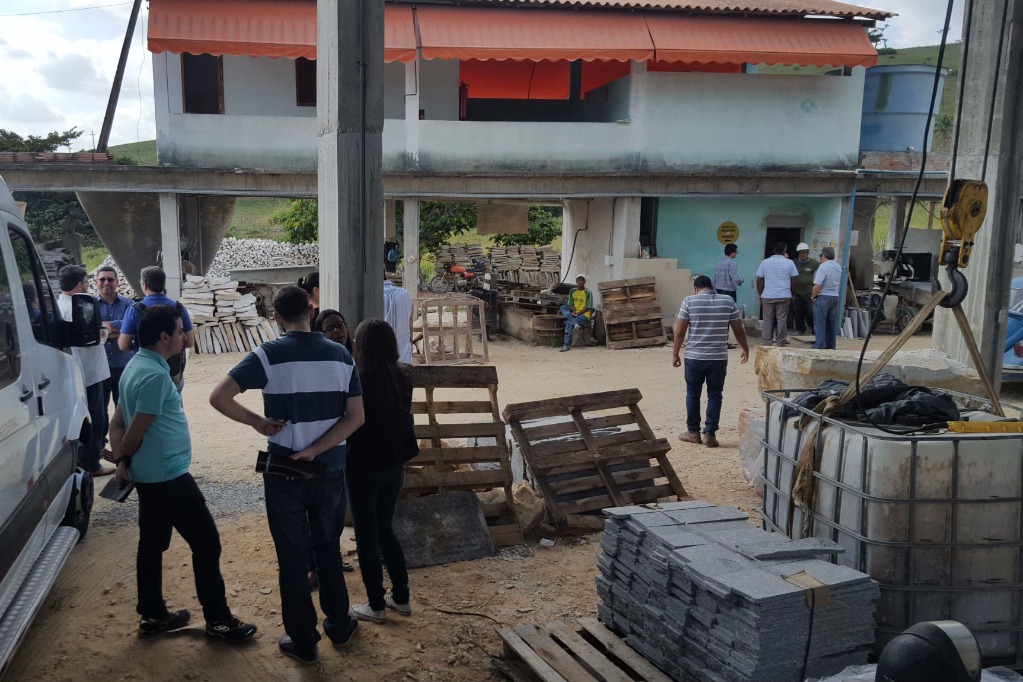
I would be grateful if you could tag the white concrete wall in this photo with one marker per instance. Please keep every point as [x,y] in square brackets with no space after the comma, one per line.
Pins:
[700,119]
[256,141]
[599,236]
[669,122]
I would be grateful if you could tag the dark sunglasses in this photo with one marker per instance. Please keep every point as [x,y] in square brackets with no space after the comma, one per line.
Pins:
[106,279]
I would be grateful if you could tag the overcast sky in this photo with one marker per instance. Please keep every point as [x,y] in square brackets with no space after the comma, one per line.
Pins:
[57,65]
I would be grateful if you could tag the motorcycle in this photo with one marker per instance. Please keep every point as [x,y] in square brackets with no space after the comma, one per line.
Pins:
[454,277]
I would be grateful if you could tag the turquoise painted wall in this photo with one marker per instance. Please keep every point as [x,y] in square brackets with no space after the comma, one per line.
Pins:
[687,231]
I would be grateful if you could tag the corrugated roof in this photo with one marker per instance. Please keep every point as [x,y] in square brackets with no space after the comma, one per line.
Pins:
[805,8]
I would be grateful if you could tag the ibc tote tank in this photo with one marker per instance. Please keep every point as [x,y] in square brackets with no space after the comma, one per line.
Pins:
[895,99]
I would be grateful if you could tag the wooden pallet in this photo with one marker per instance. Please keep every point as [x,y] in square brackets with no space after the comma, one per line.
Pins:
[557,652]
[467,408]
[632,313]
[580,469]
[450,325]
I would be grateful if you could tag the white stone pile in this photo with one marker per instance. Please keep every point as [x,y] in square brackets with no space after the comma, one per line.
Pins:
[225,320]
[260,253]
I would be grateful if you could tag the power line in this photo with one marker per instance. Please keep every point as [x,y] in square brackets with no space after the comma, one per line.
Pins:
[60,11]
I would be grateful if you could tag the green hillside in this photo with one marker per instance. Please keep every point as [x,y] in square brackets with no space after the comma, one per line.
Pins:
[142,153]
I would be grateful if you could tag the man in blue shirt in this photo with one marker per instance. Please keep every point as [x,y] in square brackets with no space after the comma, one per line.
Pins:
[312,402]
[154,287]
[151,444]
[112,308]
[827,284]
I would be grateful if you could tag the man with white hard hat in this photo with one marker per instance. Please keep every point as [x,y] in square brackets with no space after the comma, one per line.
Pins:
[802,306]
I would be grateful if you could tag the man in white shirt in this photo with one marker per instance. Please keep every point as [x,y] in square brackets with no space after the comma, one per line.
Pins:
[776,284]
[93,359]
[398,313]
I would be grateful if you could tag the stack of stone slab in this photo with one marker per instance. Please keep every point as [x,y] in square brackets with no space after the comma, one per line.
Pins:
[226,321]
[706,596]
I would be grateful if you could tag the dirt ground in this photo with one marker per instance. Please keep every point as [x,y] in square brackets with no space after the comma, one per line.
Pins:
[86,630]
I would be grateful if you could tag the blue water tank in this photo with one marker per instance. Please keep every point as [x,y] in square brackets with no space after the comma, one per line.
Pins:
[895,99]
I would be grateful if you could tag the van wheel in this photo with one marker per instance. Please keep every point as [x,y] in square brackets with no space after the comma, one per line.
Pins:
[79,507]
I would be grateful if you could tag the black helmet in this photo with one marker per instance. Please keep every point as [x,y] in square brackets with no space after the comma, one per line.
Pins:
[941,650]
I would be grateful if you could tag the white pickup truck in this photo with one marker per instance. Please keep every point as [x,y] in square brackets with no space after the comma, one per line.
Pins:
[45,496]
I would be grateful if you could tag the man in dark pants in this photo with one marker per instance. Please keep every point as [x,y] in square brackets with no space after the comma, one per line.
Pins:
[802,306]
[312,399]
[74,280]
[112,307]
[150,440]
[706,317]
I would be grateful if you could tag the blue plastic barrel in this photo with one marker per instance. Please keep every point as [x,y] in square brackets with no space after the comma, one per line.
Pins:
[895,99]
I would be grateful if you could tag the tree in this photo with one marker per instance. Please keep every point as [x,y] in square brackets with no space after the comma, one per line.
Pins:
[48,213]
[300,221]
[944,127]
[12,142]
[544,227]
[439,221]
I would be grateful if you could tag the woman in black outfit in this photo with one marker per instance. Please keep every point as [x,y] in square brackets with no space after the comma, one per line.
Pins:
[377,453]
[311,285]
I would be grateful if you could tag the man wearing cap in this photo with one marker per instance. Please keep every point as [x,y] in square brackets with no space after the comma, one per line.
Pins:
[577,311]
[826,287]
[802,306]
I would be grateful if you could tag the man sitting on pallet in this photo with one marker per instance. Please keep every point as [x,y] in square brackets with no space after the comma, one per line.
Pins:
[706,317]
[577,311]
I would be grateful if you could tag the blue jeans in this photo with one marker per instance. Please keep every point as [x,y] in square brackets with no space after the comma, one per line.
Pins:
[571,322]
[825,322]
[301,513]
[697,372]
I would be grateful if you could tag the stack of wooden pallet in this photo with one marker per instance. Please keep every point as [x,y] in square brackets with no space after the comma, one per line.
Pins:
[225,320]
[632,313]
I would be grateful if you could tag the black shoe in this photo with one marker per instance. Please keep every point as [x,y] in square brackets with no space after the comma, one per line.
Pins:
[232,630]
[345,640]
[288,648]
[347,567]
[149,627]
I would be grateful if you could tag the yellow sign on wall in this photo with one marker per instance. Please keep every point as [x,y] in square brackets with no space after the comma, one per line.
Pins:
[728,232]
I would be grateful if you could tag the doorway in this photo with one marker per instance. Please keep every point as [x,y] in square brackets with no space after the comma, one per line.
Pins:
[790,235]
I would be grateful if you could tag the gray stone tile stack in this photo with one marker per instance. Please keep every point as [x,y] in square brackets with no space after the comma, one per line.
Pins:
[702,593]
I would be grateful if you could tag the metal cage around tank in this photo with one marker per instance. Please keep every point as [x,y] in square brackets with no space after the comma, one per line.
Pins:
[936,519]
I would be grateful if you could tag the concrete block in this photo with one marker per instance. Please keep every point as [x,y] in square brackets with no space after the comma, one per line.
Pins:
[778,368]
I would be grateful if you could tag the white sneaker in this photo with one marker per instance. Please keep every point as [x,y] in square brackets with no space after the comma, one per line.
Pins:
[403,609]
[366,612]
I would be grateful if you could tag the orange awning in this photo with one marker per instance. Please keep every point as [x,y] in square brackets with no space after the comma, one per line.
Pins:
[449,32]
[760,40]
[260,28]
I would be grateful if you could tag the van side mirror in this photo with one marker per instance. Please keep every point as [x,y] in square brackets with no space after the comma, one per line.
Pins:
[85,322]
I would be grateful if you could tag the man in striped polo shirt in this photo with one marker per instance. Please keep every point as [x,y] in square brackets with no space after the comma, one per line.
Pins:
[706,317]
[312,399]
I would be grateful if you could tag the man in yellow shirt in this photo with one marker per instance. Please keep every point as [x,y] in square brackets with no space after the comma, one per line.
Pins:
[577,311]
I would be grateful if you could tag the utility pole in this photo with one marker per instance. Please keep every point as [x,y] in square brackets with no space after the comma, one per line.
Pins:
[350,121]
[993,25]
[115,89]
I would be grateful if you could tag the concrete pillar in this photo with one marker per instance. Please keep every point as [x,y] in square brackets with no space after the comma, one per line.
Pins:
[896,222]
[350,122]
[412,111]
[170,243]
[991,268]
[390,217]
[861,255]
[410,246]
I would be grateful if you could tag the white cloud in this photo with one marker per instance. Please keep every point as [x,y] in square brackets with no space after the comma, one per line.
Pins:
[72,73]
[919,22]
[25,108]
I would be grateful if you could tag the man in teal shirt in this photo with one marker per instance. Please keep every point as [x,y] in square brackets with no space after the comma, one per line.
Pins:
[150,441]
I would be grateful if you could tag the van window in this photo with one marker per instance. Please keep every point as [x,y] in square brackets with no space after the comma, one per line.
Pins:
[10,354]
[43,311]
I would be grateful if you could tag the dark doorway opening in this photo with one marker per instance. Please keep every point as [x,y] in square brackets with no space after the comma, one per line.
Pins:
[790,235]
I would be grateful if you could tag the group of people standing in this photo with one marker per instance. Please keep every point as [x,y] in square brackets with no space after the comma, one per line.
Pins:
[809,289]
[342,400]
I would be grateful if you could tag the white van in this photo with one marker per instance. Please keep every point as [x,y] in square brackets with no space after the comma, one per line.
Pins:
[45,496]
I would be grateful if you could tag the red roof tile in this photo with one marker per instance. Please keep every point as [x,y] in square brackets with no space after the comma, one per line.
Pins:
[817,8]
